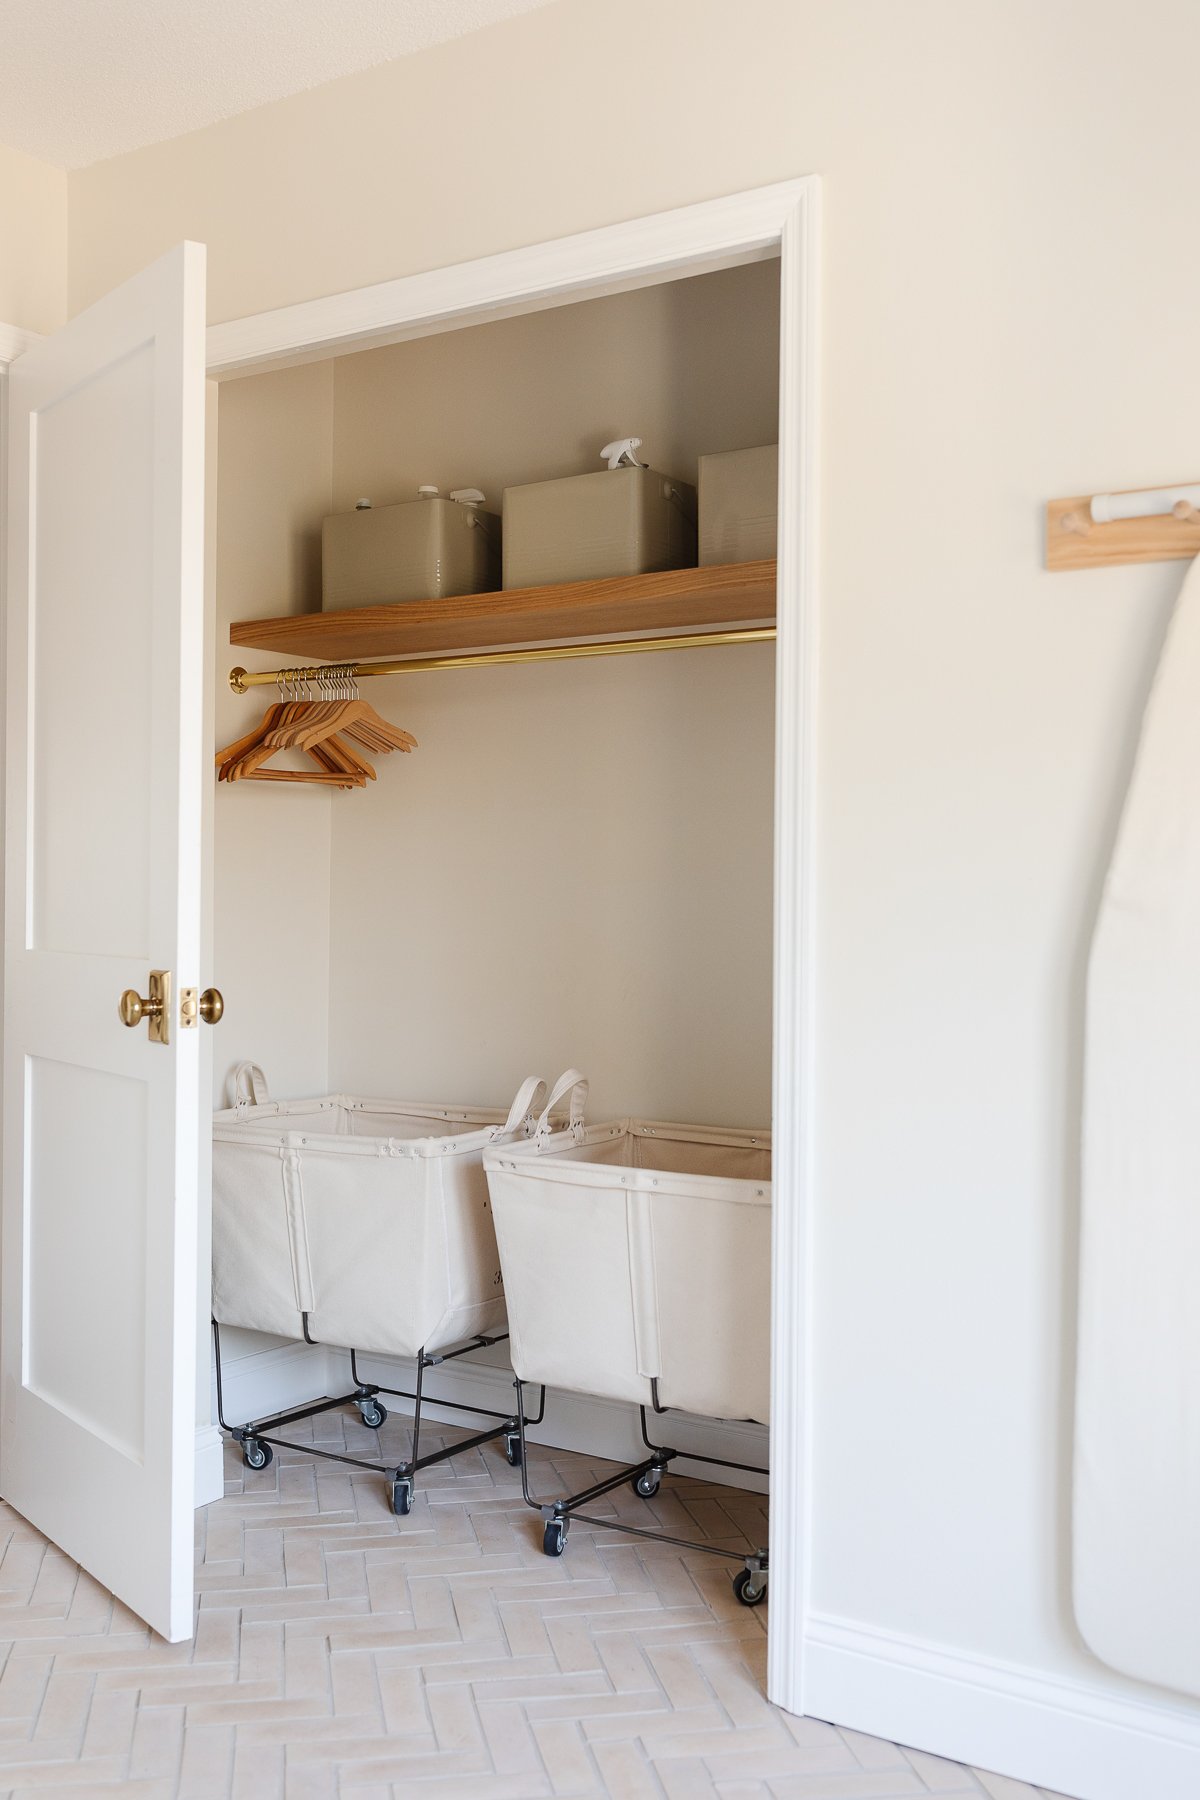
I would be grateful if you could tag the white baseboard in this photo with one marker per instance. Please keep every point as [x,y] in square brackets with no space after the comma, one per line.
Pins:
[210,1465]
[1051,1731]
[606,1428]
[258,1382]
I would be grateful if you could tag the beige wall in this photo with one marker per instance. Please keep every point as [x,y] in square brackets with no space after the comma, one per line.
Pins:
[575,867]
[1010,277]
[33,242]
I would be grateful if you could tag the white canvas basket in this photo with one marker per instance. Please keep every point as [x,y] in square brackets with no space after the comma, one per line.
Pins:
[371,1217]
[638,1250]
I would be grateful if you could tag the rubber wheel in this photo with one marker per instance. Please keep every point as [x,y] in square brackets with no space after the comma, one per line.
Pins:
[372,1413]
[554,1538]
[402,1495]
[750,1587]
[512,1449]
[256,1455]
[647,1483]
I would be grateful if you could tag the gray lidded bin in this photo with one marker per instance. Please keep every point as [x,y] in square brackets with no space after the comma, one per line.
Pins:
[620,521]
[739,505]
[423,549]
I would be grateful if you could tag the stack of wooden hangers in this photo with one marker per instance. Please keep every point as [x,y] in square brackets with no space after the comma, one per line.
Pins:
[325,731]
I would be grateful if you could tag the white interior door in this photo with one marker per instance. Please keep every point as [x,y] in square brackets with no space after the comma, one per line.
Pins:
[103,802]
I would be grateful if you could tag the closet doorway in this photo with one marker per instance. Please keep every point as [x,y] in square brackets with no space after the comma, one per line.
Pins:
[775,226]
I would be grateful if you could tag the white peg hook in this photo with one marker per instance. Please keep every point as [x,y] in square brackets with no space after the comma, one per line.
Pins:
[1144,503]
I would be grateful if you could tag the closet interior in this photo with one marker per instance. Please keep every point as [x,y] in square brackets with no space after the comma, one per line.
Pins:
[571,868]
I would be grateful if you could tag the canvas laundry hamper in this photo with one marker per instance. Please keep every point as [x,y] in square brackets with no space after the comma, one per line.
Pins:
[368,1221]
[638,1251]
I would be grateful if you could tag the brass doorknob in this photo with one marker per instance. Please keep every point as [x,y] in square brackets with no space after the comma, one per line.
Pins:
[212,1005]
[155,1009]
[133,1009]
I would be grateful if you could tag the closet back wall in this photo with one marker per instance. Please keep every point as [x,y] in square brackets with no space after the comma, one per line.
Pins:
[575,865]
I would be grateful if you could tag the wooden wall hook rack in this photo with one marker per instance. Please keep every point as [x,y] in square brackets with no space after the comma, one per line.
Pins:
[1094,531]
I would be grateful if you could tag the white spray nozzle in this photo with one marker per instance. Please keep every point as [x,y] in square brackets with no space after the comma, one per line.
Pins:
[363,505]
[467,496]
[620,454]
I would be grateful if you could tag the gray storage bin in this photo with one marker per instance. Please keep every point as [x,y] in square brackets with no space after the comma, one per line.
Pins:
[625,520]
[739,505]
[424,549]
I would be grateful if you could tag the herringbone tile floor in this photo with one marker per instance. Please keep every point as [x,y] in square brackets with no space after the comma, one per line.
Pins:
[343,1654]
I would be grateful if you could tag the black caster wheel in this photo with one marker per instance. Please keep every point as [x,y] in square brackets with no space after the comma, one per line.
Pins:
[554,1538]
[372,1413]
[402,1495]
[647,1483]
[512,1448]
[256,1455]
[750,1586]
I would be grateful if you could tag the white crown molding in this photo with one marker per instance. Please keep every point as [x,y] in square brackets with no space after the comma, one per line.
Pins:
[13,340]
[738,228]
[1051,1731]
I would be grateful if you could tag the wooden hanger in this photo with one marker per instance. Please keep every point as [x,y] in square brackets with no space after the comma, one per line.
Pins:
[355,718]
[336,763]
[231,752]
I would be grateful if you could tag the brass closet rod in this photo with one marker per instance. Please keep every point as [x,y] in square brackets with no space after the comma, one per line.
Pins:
[242,680]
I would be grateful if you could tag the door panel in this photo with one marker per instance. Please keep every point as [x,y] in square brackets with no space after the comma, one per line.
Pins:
[81,1123]
[87,900]
[105,657]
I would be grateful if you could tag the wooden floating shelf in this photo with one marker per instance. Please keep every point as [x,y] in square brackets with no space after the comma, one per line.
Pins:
[672,600]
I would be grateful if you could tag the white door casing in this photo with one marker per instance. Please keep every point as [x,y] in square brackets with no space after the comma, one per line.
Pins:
[780,220]
[103,834]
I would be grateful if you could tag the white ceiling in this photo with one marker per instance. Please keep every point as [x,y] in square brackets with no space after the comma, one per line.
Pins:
[81,80]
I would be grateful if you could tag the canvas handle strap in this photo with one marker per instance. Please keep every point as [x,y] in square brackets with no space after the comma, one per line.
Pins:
[529,1095]
[249,1085]
[575,1084]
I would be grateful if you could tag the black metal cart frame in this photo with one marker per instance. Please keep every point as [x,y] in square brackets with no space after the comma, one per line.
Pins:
[645,1478]
[258,1436]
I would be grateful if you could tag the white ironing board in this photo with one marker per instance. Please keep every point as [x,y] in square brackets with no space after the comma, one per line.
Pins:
[1137,1442]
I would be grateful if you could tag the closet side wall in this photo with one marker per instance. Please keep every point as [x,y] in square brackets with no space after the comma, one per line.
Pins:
[576,864]
[271,890]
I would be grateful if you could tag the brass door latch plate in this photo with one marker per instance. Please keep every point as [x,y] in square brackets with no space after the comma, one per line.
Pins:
[194,1006]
